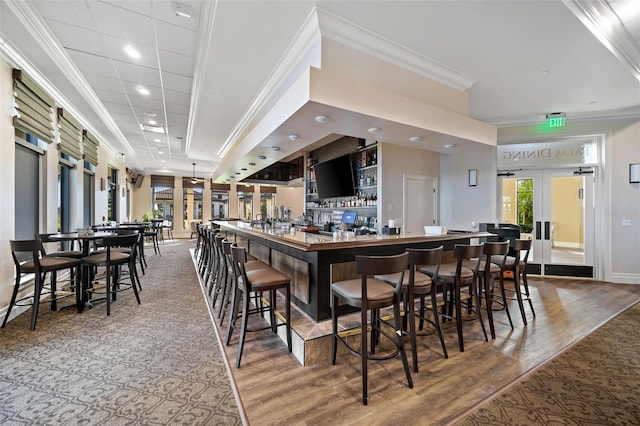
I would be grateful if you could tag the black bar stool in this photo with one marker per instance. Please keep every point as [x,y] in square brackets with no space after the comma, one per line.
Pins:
[258,280]
[368,293]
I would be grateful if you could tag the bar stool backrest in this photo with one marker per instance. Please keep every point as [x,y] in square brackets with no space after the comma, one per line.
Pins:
[382,265]
[419,257]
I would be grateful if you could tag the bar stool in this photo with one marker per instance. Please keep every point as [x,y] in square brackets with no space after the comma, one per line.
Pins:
[517,264]
[487,273]
[369,293]
[453,277]
[258,280]
[417,284]
[112,259]
[27,257]
[229,283]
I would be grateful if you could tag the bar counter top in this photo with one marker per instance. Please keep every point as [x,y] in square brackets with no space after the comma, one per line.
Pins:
[315,242]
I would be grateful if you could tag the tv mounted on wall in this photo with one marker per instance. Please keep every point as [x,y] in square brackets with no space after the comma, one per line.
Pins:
[334,178]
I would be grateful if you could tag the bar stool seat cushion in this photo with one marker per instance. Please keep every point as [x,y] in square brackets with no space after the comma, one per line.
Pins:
[264,279]
[48,264]
[493,268]
[252,265]
[71,253]
[447,270]
[101,258]
[419,280]
[377,290]
[508,263]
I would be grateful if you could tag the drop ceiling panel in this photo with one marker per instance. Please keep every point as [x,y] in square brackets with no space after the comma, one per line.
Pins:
[100,82]
[115,47]
[177,82]
[176,39]
[136,74]
[76,13]
[177,63]
[177,97]
[78,38]
[112,96]
[88,63]
[118,22]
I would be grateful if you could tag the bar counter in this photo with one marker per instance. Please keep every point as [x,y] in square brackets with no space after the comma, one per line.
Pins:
[314,261]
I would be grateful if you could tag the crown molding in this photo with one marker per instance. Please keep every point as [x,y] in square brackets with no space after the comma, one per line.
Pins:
[603,22]
[39,30]
[305,41]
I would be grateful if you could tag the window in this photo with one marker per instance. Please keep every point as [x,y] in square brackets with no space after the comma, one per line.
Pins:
[192,199]
[64,197]
[88,198]
[162,196]
[525,204]
[219,204]
[268,207]
[27,190]
[112,198]
[245,202]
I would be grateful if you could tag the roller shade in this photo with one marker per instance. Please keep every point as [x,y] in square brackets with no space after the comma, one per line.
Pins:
[220,186]
[186,183]
[164,181]
[70,135]
[90,147]
[267,189]
[242,188]
[34,108]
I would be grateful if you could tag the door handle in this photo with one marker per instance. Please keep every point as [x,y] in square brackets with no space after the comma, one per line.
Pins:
[547,230]
[538,230]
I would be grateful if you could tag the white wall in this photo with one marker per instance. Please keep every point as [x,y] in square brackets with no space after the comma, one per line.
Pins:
[460,204]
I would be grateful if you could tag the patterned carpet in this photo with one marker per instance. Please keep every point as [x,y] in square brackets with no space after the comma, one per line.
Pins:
[595,382]
[157,363]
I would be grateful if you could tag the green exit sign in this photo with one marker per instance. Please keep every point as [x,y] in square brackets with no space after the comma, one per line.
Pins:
[555,122]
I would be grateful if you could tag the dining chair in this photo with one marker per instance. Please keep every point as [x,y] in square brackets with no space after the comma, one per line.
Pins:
[112,259]
[29,261]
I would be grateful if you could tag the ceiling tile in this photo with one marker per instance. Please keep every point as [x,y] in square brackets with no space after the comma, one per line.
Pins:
[178,40]
[177,82]
[118,22]
[76,13]
[115,48]
[77,38]
[176,63]
[92,64]
[137,74]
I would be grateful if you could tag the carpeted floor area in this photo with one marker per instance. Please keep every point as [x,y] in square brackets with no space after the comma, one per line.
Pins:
[157,363]
[595,382]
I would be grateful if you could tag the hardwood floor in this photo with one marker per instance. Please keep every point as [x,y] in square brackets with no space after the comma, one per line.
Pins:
[275,389]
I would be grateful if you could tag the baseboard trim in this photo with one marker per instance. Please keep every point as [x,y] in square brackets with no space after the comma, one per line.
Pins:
[623,278]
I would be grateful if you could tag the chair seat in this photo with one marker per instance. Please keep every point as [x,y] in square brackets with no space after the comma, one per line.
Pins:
[74,254]
[377,290]
[509,261]
[263,279]
[101,258]
[48,264]
[493,268]
[113,250]
[447,271]
[420,281]
[252,265]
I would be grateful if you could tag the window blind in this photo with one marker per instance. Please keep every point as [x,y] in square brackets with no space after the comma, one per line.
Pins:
[34,108]
[220,186]
[164,181]
[90,148]
[186,183]
[70,134]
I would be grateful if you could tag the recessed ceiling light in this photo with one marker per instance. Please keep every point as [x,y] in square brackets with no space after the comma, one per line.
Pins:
[182,10]
[262,157]
[150,114]
[322,118]
[157,140]
[294,137]
[152,122]
[163,161]
[275,148]
[160,152]
[179,138]
[374,130]
[131,51]
[415,138]
[143,90]
[244,169]
[237,173]
[252,164]
[450,145]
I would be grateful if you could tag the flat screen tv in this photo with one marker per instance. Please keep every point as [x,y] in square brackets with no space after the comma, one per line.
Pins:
[334,178]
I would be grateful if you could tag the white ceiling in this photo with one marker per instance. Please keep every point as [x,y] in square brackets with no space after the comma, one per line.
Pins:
[218,79]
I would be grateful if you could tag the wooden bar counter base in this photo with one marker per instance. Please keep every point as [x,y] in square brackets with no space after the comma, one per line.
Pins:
[314,261]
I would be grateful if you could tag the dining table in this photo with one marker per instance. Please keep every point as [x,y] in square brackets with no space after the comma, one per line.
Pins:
[86,239]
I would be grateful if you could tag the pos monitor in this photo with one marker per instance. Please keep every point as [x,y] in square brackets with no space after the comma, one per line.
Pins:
[349,218]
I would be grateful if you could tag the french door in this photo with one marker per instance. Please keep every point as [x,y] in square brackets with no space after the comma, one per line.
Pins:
[555,208]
